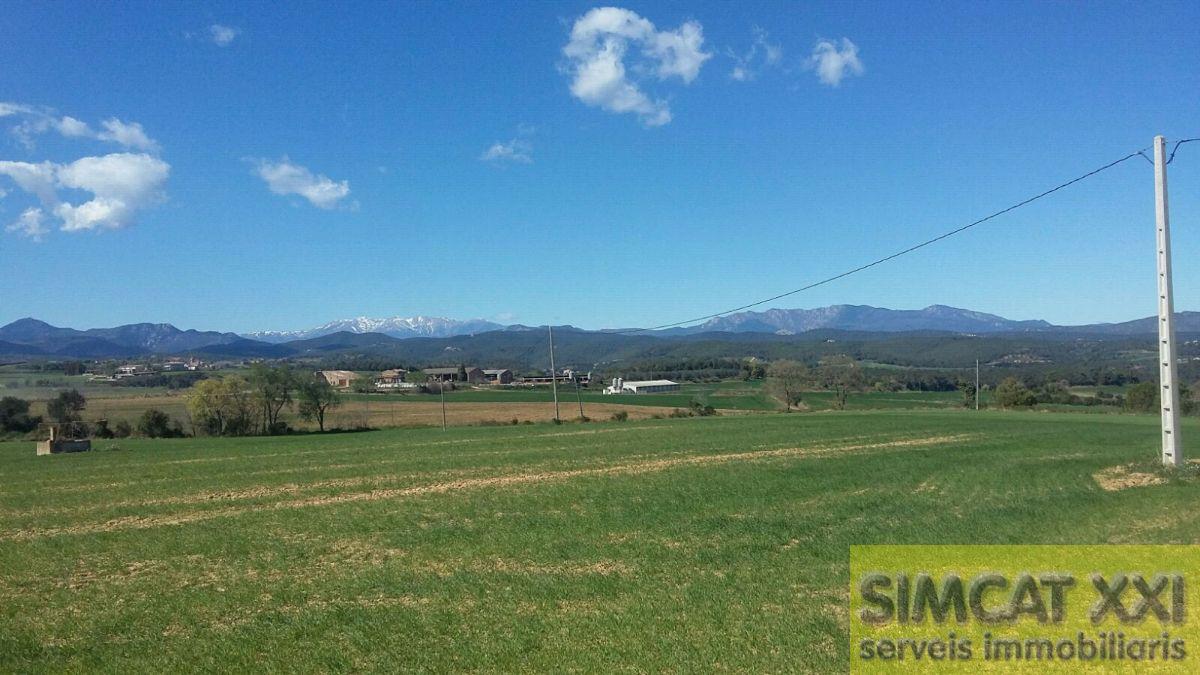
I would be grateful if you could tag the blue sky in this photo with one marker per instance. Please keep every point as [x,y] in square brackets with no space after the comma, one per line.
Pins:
[241,167]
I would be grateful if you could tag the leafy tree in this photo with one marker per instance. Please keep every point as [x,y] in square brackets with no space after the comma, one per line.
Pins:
[968,392]
[841,375]
[461,376]
[223,406]
[1012,393]
[272,388]
[14,415]
[753,369]
[155,423]
[66,406]
[1142,397]
[1145,397]
[786,381]
[316,396]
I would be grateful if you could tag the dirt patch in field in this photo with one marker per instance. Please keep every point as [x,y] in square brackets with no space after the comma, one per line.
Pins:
[627,469]
[1123,477]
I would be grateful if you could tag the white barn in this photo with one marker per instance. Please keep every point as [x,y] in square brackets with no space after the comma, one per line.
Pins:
[620,386]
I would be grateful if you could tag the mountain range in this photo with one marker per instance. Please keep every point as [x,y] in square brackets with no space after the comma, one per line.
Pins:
[31,338]
[397,327]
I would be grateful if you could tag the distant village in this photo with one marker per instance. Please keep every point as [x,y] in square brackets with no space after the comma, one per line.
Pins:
[473,375]
[398,379]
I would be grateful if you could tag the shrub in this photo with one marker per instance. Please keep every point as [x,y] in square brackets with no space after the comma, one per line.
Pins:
[122,429]
[155,423]
[66,406]
[620,416]
[1011,393]
[14,415]
[102,430]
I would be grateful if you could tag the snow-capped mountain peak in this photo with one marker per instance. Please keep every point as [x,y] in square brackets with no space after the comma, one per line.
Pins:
[396,326]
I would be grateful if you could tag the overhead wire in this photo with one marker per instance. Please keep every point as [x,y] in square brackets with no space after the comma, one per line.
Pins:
[906,251]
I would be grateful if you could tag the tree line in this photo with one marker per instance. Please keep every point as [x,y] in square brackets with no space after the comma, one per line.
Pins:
[234,405]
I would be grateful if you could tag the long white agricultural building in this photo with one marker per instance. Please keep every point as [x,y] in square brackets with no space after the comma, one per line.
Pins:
[620,386]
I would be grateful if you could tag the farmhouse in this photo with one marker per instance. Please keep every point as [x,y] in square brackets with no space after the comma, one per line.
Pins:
[132,370]
[472,374]
[340,379]
[620,386]
[393,376]
[498,375]
[393,379]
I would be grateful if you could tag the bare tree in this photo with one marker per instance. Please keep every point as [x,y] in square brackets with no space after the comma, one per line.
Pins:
[316,396]
[786,381]
[841,375]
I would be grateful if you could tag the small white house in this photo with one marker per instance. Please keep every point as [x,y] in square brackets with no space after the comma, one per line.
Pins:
[620,386]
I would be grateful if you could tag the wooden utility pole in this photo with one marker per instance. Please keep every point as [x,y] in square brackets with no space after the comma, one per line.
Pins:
[553,374]
[977,384]
[1172,447]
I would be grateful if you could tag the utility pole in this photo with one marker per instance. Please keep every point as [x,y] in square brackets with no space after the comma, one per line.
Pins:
[553,374]
[976,384]
[578,396]
[1172,447]
[442,391]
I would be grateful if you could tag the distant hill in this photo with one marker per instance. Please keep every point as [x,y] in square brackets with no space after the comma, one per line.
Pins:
[34,337]
[1185,322]
[743,334]
[863,318]
[397,326]
[933,318]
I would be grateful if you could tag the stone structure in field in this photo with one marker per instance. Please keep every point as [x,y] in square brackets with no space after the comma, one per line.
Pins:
[62,439]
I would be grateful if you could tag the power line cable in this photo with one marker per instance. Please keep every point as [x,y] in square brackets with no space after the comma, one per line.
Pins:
[1176,148]
[906,251]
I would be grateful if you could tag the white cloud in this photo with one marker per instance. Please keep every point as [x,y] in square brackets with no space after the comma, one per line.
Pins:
[601,40]
[121,184]
[285,178]
[130,135]
[71,127]
[31,224]
[832,64]
[516,150]
[222,35]
[36,179]
[9,109]
[762,53]
[36,121]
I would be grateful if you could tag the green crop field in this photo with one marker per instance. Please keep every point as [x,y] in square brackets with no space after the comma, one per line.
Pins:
[684,545]
[726,395]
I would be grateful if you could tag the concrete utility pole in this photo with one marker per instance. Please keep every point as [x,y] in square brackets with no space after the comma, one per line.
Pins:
[553,374]
[442,391]
[1172,446]
[977,384]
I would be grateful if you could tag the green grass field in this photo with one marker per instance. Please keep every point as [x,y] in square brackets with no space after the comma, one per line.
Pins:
[694,544]
[726,395]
